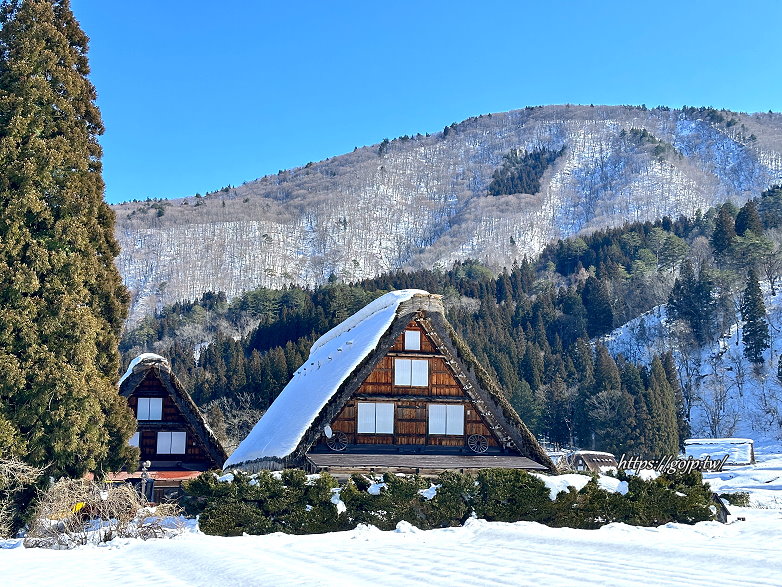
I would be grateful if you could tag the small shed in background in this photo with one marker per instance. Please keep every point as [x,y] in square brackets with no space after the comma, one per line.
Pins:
[740,451]
[588,460]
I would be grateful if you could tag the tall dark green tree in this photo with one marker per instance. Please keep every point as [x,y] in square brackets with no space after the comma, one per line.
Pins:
[724,230]
[600,315]
[62,302]
[682,412]
[748,219]
[692,300]
[755,335]
[662,428]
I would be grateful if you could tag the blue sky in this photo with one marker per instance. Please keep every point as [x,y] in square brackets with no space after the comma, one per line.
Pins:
[197,95]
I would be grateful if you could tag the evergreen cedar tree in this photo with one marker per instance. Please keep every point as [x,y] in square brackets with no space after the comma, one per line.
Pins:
[724,230]
[62,302]
[748,219]
[692,301]
[755,334]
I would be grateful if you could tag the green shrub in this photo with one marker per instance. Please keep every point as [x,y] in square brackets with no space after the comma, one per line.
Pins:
[454,501]
[264,502]
[361,506]
[232,517]
[739,499]
[680,498]
[510,495]
[590,507]
[295,503]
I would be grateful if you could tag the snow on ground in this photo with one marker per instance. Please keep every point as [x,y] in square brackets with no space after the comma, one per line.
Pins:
[763,480]
[480,553]
[741,553]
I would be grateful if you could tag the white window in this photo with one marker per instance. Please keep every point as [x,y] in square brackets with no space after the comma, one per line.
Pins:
[171,443]
[150,408]
[133,440]
[446,419]
[411,372]
[375,418]
[412,340]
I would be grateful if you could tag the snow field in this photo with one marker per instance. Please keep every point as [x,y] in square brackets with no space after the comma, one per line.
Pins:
[480,553]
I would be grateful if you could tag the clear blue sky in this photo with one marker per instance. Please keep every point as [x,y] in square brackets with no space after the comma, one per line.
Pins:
[197,95]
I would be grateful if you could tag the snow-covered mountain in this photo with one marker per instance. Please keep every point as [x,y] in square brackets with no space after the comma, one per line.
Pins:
[422,201]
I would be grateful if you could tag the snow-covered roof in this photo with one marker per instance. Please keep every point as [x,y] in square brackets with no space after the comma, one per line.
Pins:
[739,450]
[143,358]
[718,441]
[596,453]
[333,357]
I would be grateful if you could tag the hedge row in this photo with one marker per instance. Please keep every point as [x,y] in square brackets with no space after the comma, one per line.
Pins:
[295,503]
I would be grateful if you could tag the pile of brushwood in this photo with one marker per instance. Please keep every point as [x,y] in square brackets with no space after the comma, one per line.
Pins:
[75,512]
[293,502]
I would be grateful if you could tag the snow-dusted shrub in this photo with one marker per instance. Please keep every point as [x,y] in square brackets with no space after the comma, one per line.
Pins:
[16,478]
[73,512]
[385,504]
[292,502]
[740,498]
[590,507]
[510,495]
[453,502]
[683,498]
[264,502]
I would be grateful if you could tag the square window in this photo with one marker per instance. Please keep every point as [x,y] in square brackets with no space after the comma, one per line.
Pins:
[411,372]
[412,340]
[384,418]
[446,419]
[134,440]
[366,418]
[403,371]
[171,443]
[454,420]
[420,373]
[375,418]
[149,408]
[437,419]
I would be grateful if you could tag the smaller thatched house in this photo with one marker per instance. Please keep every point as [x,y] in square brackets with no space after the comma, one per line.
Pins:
[172,435]
[588,460]
[392,388]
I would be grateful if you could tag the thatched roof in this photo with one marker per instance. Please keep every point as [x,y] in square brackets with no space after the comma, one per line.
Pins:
[160,368]
[343,358]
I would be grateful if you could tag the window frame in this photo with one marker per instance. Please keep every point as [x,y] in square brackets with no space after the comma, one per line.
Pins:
[409,372]
[452,417]
[161,441]
[144,407]
[367,417]
[412,340]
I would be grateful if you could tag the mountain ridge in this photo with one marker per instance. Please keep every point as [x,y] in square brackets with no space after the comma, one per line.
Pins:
[423,201]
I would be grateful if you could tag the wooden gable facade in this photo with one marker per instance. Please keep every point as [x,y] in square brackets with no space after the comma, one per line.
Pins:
[171,433]
[418,402]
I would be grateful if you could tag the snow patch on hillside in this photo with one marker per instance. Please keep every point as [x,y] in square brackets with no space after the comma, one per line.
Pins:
[728,395]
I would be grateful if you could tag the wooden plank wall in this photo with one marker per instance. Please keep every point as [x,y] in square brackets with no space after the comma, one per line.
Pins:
[410,414]
[172,421]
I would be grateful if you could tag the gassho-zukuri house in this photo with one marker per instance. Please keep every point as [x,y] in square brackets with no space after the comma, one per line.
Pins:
[393,388]
[171,434]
